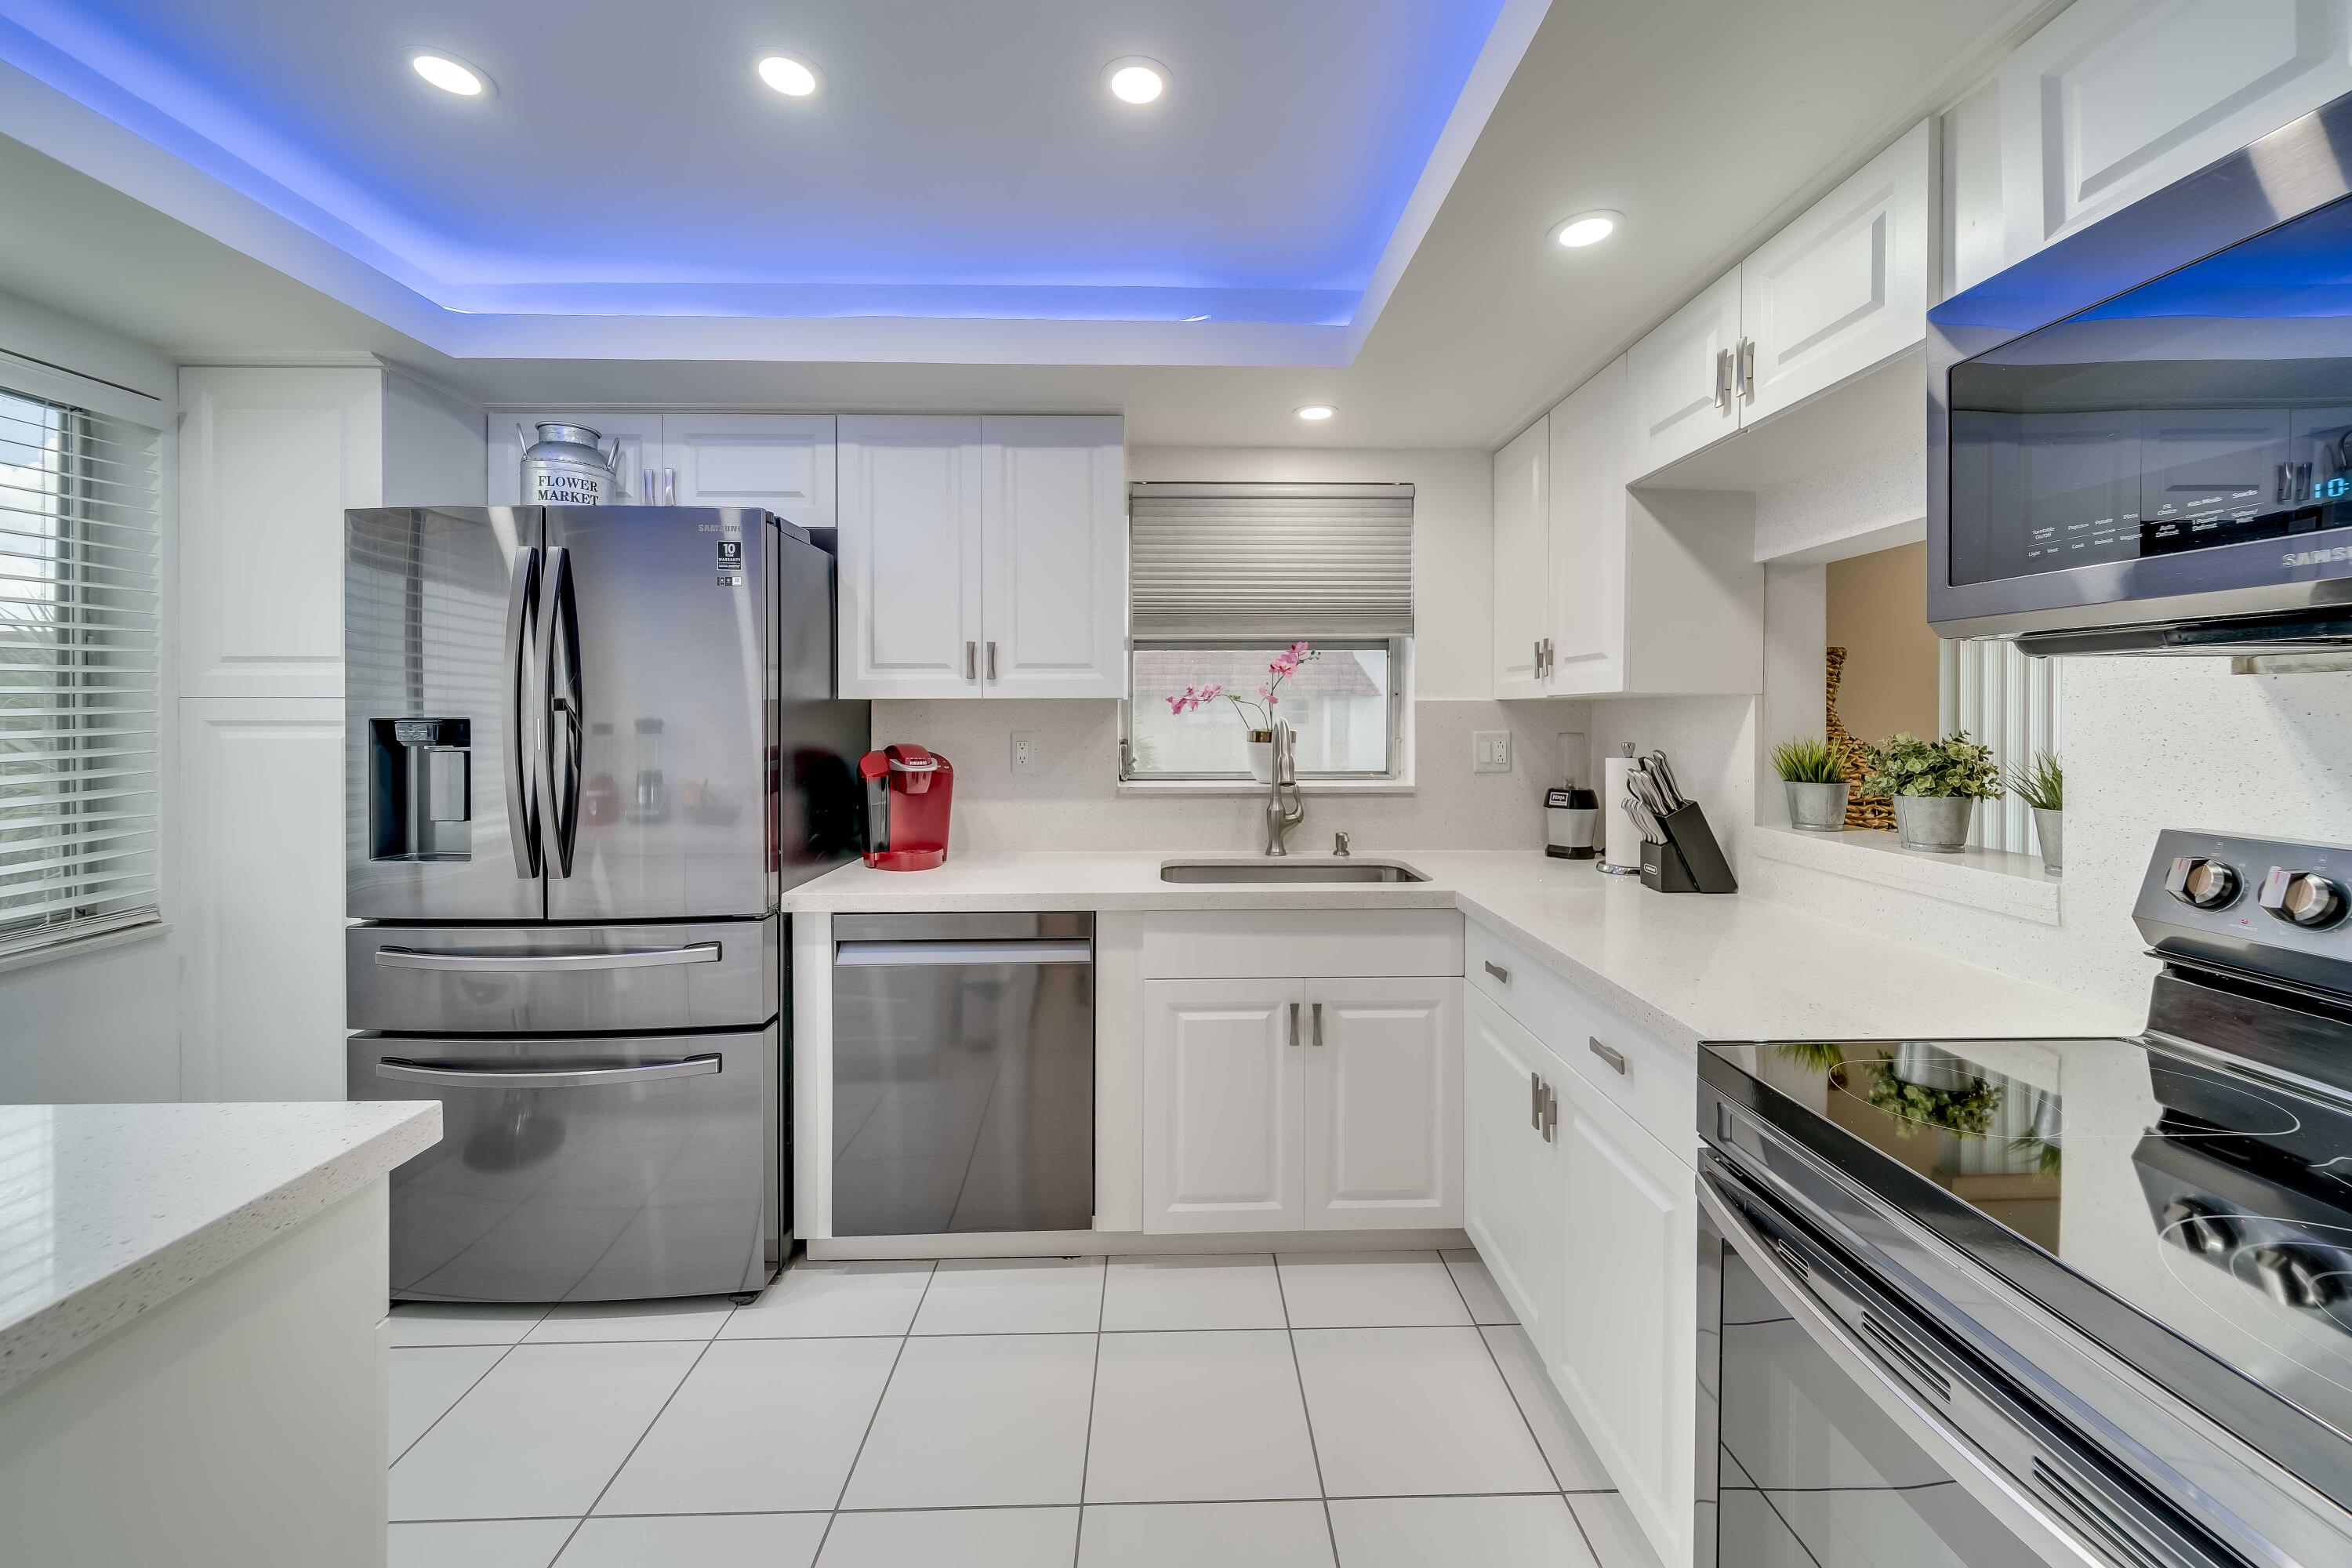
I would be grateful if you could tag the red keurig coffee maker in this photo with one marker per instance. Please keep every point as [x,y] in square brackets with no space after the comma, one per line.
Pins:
[909,795]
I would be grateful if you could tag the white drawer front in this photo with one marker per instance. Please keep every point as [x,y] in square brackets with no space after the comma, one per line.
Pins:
[1655,1084]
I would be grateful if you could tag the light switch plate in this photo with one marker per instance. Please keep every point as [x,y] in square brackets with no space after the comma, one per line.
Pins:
[1490,751]
[1024,751]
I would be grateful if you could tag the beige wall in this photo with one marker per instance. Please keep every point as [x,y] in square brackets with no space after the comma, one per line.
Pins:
[1878,614]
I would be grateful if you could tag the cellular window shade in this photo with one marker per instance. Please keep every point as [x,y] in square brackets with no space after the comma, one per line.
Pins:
[1270,562]
[79,672]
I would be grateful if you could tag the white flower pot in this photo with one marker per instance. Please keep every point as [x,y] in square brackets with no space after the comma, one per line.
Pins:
[1261,758]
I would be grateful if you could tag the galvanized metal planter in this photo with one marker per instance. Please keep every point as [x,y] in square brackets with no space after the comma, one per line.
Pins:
[1935,823]
[1817,807]
[567,466]
[2049,827]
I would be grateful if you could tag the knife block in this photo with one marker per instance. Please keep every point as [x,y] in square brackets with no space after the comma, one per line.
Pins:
[1690,861]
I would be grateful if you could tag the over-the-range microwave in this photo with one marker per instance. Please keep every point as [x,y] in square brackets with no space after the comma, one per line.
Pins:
[2140,440]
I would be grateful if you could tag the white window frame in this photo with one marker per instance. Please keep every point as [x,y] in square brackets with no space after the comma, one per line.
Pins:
[1397,774]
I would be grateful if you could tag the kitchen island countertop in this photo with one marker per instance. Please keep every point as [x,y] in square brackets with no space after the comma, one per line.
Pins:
[1684,967]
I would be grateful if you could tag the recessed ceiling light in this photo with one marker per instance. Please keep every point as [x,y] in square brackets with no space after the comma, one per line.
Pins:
[1586,228]
[450,74]
[1135,80]
[1317,411]
[794,79]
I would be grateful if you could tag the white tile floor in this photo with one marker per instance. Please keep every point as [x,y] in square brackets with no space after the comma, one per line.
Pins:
[1364,1410]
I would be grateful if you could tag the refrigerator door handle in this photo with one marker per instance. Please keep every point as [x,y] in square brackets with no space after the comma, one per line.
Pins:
[522,807]
[559,634]
[542,1078]
[525,963]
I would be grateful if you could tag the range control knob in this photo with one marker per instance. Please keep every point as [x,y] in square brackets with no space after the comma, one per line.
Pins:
[2200,883]
[2297,1277]
[2200,1228]
[2304,898]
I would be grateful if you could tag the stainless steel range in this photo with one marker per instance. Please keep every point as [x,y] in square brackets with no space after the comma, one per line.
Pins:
[2049,1301]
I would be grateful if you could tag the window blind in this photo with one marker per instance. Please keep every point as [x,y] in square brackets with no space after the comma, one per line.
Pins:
[2010,702]
[78,671]
[1270,562]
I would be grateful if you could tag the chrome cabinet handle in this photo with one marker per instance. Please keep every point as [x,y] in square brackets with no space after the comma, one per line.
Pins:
[522,631]
[532,962]
[991,661]
[669,487]
[971,661]
[1615,1058]
[1293,1023]
[1747,372]
[1550,1115]
[548,1078]
[1550,664]
[1498,971]
[1723,374]
[1534,1101]
[1318,1024]
[645,491]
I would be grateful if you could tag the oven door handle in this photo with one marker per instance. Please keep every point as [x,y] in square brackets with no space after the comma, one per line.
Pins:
[2076,1526]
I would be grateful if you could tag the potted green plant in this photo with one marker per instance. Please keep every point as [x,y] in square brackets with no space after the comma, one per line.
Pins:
[2041,785]
[1817,794]
[1936,785]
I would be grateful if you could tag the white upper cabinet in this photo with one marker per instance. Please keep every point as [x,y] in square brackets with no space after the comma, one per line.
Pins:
[1682,378]
[780,463]
[1053,508]
[2116,99]
[640,435]
[1844,285]
[1596,588]
[910,586]
[982,556]
[1522,530]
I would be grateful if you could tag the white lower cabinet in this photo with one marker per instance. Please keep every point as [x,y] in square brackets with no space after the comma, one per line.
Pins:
[1301,1104]
[1513,1196]
[1625,1356]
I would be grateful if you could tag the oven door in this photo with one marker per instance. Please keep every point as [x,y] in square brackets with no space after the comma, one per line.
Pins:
[1838,1428]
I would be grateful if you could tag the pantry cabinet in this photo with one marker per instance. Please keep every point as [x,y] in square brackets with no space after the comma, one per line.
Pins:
[781,463]
[1596,588]
[1279,1104]
[1842,287]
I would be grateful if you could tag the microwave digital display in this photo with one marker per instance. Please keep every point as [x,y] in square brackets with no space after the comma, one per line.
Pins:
[2210,407]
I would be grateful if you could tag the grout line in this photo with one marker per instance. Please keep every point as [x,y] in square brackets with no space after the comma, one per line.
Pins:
[834,1514]
[1330,1531]
[1488,1346]
[987,1507]
[1094,1393]
[504,1352]
[635,1447]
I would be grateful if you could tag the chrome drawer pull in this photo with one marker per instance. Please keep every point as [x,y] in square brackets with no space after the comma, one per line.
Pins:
[1318,1023]
[544,1077]
[1498,971]
[1293,1023]
[524,963]
[1615,1058]
[1534,1101]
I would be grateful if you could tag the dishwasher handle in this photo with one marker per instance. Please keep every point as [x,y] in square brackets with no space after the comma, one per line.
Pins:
[938,954]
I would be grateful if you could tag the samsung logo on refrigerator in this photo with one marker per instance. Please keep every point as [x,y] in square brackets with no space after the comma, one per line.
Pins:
[2328,557]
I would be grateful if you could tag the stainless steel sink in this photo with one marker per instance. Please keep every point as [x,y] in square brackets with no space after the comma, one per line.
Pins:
[1287,871]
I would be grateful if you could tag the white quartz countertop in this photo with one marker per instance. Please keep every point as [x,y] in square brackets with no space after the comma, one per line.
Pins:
[108,1210]
[1685,967]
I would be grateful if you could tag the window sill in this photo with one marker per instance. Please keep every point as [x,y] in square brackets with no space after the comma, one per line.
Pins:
[31,957]
[1999,880]
[1321,787]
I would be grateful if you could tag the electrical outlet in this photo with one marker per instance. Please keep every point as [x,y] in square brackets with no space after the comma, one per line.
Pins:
[1024,751]
[1490,751]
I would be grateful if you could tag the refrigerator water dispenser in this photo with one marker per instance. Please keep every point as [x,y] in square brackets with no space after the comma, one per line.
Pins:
[420,789]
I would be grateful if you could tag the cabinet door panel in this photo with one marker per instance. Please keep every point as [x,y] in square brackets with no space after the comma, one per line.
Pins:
[1054,521]
[1513,1191]
[640,435]
[1588,536]
[1626,1358]
[1675,373]
[1221,1105]
[1844,285]
[909,557]
[2118,98]
[1382,1122]
[1522,510]
[783,463]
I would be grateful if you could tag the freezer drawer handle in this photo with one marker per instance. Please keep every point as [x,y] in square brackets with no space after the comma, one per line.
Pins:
[550,1078]
[514,962]
[927,954]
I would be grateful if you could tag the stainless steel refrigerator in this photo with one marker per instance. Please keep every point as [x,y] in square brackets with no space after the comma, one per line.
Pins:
[587,748]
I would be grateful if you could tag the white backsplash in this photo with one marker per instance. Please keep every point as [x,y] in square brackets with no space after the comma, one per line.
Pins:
[1072,801]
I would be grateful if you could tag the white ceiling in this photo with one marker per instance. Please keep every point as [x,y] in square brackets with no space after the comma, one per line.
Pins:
[1705,122]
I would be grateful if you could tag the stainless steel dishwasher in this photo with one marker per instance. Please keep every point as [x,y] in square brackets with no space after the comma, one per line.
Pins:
[963,1073]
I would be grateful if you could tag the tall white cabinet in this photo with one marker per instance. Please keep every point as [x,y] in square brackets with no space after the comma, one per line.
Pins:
[271,458]
[982,555]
